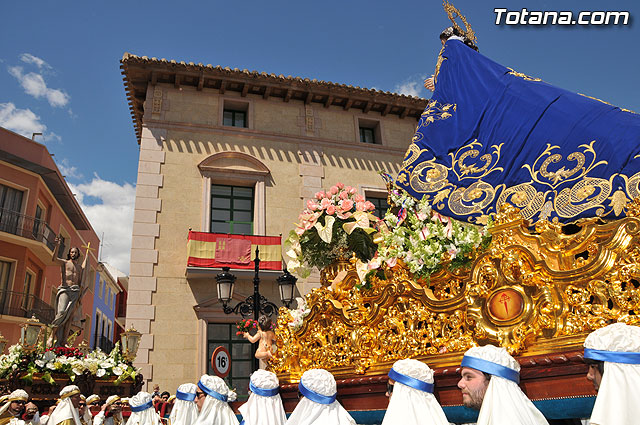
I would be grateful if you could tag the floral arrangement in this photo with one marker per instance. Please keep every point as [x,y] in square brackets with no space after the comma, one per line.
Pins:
[298,315]
[70,361]
[334,224]
[246,325]
[66,351]
[425,240]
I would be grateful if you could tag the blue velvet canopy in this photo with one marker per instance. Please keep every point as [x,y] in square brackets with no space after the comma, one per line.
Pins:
[491,135]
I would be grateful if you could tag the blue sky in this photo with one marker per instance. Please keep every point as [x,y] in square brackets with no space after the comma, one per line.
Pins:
[59,66]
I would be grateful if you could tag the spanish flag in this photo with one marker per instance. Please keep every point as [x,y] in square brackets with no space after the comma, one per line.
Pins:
[234,251]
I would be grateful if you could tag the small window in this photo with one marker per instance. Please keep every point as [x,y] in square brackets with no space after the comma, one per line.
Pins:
[232,118]
[5,277]
[381,205]
[367,135]
[100,290]
[369,131]
[27,297]
[37,223]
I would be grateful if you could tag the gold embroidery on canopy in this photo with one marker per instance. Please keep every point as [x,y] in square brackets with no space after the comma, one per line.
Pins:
[523,76]
[603,101]
[571,190]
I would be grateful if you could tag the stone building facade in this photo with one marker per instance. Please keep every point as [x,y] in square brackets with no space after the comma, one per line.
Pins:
[272,141]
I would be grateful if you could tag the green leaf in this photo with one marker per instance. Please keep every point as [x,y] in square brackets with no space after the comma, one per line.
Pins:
[47,378]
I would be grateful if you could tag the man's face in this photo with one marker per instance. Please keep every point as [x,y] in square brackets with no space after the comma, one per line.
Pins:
[116,407]
[31,410]
[473,385]
[16,407]
[82,407]
[200,396]
[74,254]
[164,398]
[75,400]
[594,376]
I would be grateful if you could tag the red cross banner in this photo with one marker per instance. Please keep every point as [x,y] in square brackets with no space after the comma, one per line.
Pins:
[234,251]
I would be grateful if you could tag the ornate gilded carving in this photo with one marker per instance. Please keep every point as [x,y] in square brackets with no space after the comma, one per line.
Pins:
[534,290]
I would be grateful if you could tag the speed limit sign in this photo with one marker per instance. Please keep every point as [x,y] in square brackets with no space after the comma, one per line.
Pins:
[221,362]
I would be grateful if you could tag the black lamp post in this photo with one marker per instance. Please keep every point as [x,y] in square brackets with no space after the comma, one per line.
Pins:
[255,304]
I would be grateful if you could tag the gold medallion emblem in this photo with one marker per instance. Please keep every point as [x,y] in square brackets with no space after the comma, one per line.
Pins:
[505,305]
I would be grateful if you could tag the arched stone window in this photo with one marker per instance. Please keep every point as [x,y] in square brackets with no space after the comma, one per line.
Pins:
[235,169]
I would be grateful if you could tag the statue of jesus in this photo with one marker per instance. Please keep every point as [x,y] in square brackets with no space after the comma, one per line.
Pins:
[70,290]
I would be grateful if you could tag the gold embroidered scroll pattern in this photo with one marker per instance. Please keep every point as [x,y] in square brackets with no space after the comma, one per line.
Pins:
[431,177]
[571,190]
[433,112]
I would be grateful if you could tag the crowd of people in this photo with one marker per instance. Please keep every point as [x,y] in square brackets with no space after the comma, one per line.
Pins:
[489,383]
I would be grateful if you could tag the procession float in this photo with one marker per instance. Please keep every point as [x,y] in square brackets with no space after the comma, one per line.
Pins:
[42,367]
[514,220]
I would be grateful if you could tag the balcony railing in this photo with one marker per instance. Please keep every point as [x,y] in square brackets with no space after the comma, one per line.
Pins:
[105,344]
[19,304]
[27,227]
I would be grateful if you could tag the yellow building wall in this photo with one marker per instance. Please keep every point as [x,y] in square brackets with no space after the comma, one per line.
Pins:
[186,132]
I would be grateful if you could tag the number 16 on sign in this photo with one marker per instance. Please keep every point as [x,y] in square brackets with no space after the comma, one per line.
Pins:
[220,362]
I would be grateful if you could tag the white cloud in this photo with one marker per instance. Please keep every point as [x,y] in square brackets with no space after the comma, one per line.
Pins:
[29,58]
[109,207]
[412,86]
[35,85]
[68,170]
[24,122]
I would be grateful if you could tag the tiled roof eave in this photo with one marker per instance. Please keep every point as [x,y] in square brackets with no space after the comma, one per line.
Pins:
[254,82]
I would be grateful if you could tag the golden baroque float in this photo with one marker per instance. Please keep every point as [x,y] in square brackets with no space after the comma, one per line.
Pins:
[533,290]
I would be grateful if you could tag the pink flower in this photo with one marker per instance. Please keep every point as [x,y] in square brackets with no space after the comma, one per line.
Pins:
[312,205]
[325,203]
[369,206]
[340,185]
[300,231]
[346,204]
[360,206]
[359,198]
[344,194]
[374,263]
[331,209]
[421,216]
[352,191]
[334,190]
[391,262]
[344,215]
[319,195]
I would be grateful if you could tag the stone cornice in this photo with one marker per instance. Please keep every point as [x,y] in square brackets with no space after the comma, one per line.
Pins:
[138,72]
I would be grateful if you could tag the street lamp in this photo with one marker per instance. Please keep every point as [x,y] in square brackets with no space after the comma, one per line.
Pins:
[255,304]
[287,286]
[130,340]
[225,282]
[3,343]
[30,333]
